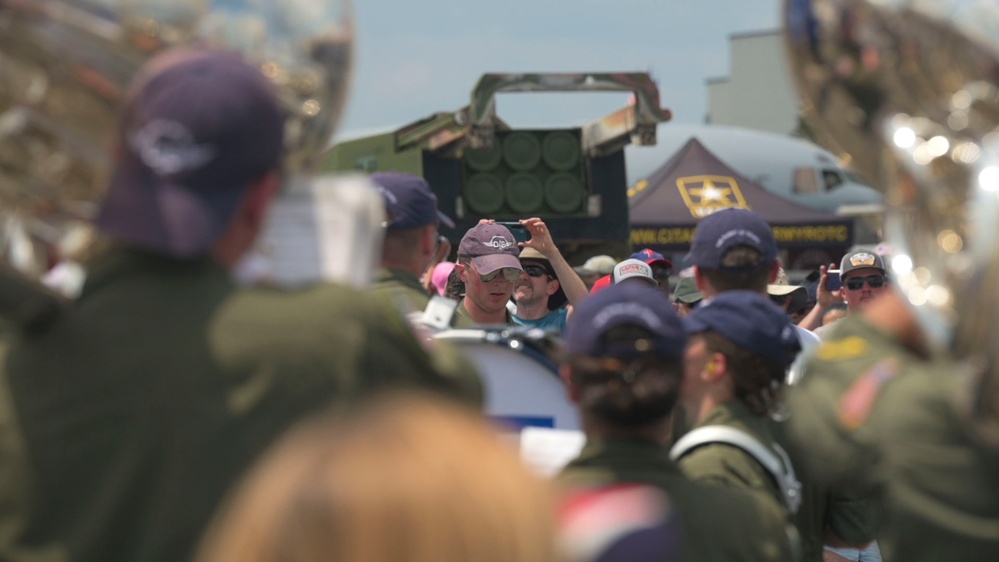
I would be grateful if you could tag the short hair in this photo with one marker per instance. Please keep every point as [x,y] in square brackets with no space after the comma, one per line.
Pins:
[628,393]
[744,269]
[405,479]
[757,380]
[455,288]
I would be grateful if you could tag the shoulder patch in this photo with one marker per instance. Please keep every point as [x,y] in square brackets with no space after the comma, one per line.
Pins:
[857,402]
[839,350]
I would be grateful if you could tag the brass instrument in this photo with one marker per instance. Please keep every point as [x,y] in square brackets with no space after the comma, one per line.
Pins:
[64,65]
[908,90]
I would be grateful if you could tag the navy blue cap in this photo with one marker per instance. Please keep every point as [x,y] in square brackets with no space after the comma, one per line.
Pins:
[625,305]
[650,257]
[198,129]
[749,320]
[727,228]
[409,201]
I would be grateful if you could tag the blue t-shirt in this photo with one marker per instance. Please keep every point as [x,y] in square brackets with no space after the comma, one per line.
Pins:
[554,321]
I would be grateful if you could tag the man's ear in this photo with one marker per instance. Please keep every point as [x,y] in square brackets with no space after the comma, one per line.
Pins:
[553,287]
[699,279]
[259,197]
[572,389]
[462,271]
[428,242]
[774,272]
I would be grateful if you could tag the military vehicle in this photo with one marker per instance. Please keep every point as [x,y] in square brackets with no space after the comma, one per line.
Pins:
[479,167]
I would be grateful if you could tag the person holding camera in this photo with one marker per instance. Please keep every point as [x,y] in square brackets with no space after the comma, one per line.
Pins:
[548,283]
[863,278]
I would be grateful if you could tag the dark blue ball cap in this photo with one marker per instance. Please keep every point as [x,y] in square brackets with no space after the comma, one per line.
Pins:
[725,229]
[199,128]
[749,320]
[625,305]
[409,201]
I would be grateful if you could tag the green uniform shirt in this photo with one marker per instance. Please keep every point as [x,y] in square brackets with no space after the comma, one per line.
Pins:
[718,524]
[464,320]
[882,417]
[853,517]
[728,465]
[130,416]
[402,289]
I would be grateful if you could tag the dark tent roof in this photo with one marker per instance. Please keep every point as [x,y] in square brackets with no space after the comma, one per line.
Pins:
[665,208]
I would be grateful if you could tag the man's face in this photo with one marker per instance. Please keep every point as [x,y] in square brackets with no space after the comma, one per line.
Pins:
[862,285]
[534,284]
[489,295]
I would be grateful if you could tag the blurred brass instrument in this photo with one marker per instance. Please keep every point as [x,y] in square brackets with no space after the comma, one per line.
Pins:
[64,65]
[908,90]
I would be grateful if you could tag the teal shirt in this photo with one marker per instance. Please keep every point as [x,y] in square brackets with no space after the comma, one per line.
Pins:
[554,321]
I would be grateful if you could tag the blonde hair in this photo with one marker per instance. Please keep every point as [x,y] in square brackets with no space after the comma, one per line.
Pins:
[406,480]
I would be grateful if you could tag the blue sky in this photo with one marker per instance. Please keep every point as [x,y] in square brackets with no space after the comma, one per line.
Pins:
[416,58]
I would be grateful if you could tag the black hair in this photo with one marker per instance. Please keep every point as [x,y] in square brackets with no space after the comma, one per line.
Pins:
[632,392]
[742,268]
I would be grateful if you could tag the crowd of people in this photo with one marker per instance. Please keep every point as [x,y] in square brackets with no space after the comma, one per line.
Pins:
[171,414]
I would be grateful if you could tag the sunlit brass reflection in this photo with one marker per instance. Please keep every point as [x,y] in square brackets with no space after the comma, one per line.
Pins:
[909,90]
[64,65]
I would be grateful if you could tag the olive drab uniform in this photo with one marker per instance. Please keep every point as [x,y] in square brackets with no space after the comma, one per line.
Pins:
[718,524]
[884,418]
[727,465]
[131,415]
[403,291]
[854,517]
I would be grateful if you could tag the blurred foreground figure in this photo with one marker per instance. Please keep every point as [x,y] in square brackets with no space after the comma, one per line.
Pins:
[124,420]
[905,395]
[624,369]
[878,412]
[404,480]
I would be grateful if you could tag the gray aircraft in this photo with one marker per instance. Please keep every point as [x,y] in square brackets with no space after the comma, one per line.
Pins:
[787,166]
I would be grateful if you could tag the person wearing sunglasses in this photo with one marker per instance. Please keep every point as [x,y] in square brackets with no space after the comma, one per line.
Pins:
[489,266]
[863,275]
[864,279]
[548,283]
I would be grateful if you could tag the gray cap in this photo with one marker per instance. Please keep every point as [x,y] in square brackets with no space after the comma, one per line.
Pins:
[858,259]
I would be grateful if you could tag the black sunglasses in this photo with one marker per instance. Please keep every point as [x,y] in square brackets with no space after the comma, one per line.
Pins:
[874,281]
[535,270]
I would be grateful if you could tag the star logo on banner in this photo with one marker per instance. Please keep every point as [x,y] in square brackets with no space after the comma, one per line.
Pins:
[705,195]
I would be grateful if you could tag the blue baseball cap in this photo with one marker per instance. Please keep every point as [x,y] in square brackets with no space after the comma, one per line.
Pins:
[650,257]
[409,201]
[625,305]
[198,129]
[749,320]
[727,228]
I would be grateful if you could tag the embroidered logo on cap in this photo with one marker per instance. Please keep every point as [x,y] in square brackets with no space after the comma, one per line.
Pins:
[498,242]
[167,147]
[862,258]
